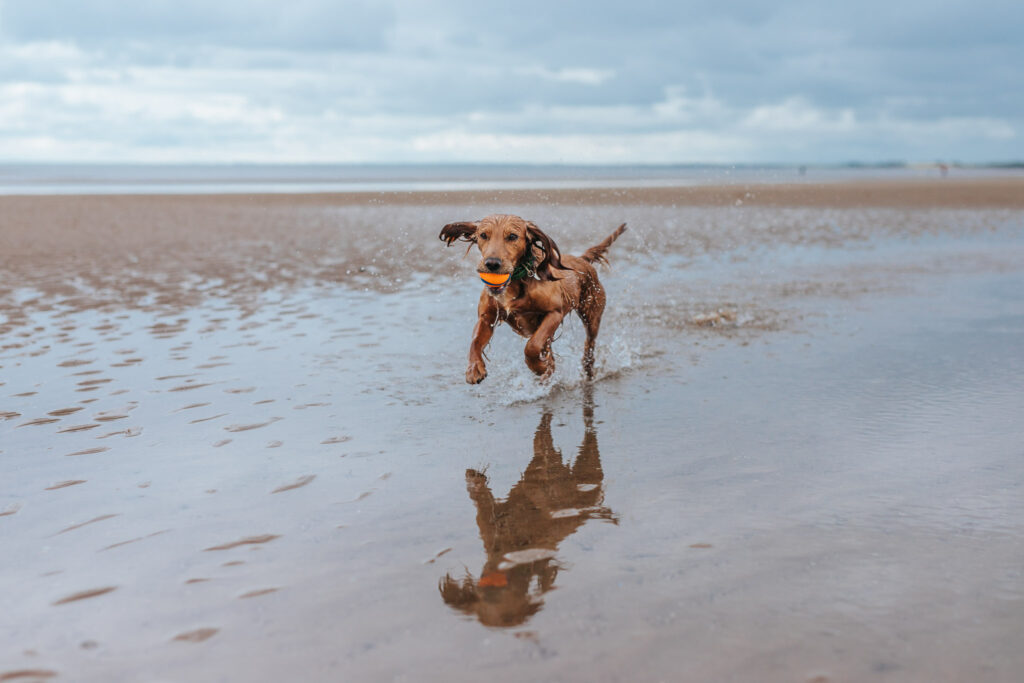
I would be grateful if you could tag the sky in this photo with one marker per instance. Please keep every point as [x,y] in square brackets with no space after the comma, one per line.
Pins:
[554,81]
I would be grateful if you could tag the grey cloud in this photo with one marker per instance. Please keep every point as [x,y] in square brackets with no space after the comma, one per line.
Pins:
[296,25]
[858,75]
[749,51]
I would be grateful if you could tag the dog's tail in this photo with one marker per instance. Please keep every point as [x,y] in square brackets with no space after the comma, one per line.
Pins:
[596,253]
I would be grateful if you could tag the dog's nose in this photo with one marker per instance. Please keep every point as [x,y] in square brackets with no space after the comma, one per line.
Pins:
[492,264]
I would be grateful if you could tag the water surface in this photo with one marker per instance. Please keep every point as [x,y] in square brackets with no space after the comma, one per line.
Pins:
[801,460]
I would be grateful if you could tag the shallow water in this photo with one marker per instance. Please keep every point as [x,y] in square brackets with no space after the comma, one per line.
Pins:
[289,480]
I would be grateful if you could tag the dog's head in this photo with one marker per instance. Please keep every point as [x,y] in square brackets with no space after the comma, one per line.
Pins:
[501,598]
[506,242]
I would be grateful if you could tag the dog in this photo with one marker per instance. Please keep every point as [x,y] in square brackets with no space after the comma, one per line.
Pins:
[542,287]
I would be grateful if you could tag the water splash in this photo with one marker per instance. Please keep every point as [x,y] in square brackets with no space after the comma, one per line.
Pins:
[620,348]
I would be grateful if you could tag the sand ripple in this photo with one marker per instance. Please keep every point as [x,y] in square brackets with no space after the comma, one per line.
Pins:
[85,595]
[249,540]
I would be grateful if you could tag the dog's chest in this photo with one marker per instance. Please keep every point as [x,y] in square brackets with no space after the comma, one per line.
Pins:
[523,323]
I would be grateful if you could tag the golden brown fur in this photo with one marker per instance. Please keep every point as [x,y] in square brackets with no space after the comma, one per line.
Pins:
[532,306]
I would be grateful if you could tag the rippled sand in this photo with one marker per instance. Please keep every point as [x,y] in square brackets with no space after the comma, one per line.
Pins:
[237,444]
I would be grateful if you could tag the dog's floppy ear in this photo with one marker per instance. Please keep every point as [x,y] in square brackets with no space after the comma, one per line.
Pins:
[550,256]
[458,231]
[459,594]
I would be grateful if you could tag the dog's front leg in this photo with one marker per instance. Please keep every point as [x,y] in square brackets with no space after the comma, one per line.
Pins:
[538,349]
[486,506]
[476,371]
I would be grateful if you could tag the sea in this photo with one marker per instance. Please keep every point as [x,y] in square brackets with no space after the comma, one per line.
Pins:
[89,178]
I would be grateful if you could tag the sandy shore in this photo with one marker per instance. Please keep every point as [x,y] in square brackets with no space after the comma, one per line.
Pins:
[115,244]
[237,444]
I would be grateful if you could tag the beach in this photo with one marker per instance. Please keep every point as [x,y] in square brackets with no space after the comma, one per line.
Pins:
[238,445]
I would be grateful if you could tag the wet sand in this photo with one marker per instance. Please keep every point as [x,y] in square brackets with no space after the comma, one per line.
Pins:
[237,444]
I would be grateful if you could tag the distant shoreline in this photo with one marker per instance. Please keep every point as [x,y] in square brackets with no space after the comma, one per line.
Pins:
[1005,191]
[356,179]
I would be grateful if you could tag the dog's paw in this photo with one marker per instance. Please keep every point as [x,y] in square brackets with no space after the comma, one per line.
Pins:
[476,485]
[476,372]
[545,368]
[475,481]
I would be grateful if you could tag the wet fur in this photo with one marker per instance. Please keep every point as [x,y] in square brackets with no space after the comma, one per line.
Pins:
[534,308]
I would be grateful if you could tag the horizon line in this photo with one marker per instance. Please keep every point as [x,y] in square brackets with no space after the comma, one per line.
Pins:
[1012,163]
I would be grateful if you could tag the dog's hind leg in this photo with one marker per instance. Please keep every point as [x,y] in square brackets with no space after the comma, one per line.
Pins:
[590,310]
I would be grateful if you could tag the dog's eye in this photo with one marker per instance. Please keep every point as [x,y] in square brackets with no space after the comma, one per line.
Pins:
[512,237]
[484,236]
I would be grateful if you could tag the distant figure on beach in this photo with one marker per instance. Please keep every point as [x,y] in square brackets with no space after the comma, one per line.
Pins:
[943,169]
[521,533]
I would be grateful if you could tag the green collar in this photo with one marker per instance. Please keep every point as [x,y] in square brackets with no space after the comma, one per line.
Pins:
[525,269]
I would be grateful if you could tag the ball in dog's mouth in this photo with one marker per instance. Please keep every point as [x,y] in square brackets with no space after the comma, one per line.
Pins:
[495,280]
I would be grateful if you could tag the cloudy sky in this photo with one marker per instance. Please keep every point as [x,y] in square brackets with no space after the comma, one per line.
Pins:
[537,81]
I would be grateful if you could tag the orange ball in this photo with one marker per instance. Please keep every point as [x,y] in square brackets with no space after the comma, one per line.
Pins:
[494,280]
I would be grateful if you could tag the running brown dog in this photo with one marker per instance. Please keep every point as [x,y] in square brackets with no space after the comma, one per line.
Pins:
[544,286]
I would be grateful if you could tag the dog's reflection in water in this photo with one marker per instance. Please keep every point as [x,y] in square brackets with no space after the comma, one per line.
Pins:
[521,533]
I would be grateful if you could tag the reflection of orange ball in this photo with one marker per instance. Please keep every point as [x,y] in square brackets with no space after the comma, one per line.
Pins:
[494,279]
[493,580]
